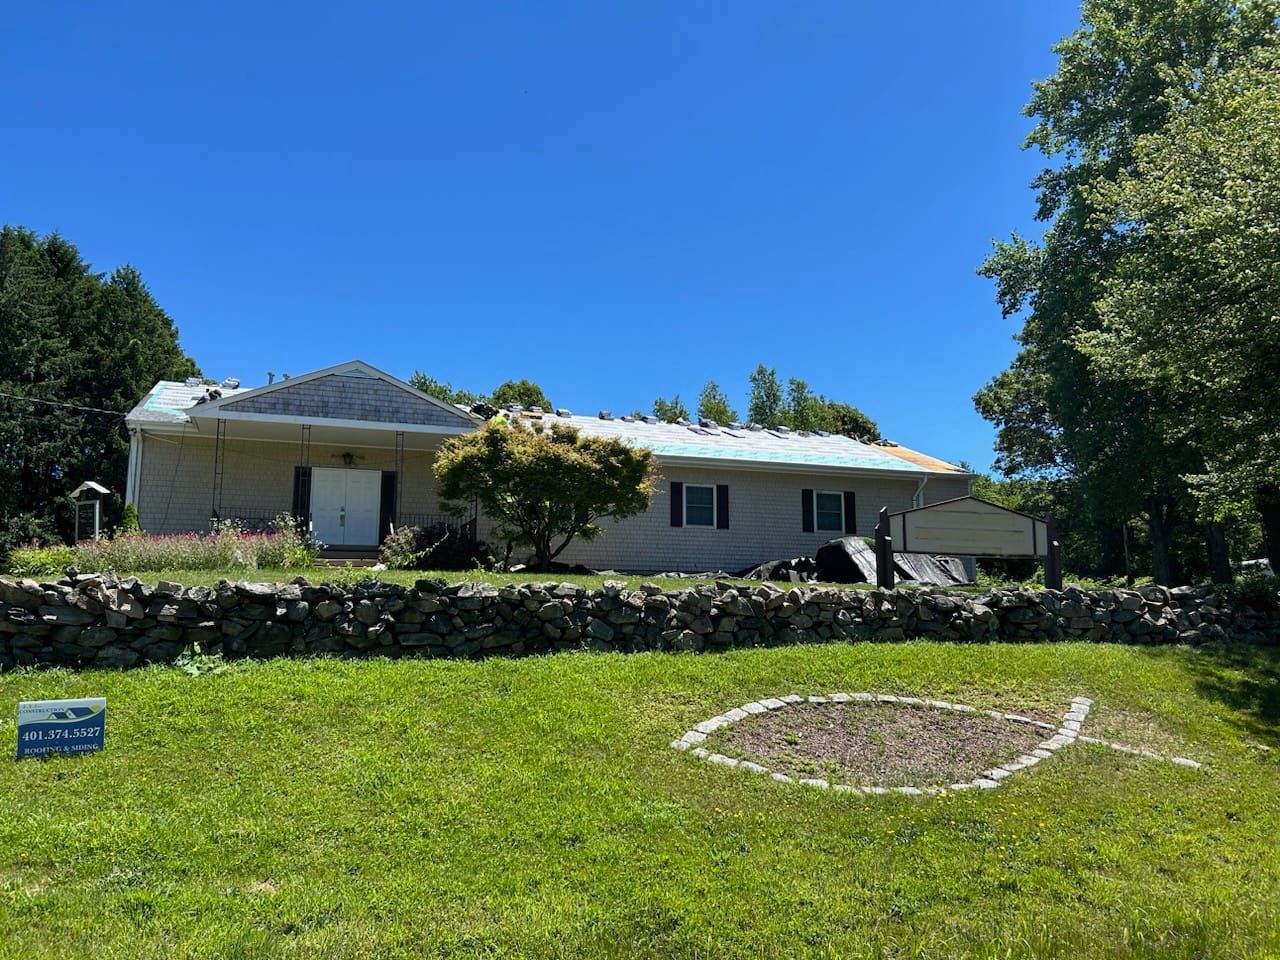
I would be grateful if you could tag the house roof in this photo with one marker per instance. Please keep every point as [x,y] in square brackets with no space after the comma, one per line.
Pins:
[352,394]
[175,404]
[169,400]
[761,447]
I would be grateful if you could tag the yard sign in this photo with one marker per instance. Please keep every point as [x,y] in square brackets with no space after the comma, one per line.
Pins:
[970,527]
[61,726]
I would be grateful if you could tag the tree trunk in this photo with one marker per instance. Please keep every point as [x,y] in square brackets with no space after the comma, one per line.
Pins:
[1219,559]
[1158,519]
[1267,498]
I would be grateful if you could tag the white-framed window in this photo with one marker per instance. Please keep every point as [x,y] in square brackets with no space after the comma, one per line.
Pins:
[699,505]
[828,510]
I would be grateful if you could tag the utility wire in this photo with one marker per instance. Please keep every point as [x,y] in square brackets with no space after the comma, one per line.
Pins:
[59,403]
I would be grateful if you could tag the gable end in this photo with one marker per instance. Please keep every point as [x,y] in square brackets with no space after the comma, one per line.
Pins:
[345,397]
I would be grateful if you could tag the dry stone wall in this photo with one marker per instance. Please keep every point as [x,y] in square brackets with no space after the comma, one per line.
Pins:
[100,621]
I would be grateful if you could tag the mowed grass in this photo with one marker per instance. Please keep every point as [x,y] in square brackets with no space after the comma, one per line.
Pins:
[534,808]
[348,574]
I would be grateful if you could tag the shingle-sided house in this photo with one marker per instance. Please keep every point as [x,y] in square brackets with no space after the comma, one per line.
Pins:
[350,449]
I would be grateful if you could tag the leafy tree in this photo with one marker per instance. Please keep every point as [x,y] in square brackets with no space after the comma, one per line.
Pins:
[806,410]
[1194,302]
[70,336]
[544,487]
[524,392]
[714,405]
[442,390]
[1117,79]
[846,418]
[765,405]
[669,411]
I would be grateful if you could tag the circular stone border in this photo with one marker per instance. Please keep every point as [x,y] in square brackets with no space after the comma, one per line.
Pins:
[1066,733]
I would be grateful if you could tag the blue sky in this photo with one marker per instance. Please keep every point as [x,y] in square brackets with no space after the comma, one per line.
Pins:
[615,200]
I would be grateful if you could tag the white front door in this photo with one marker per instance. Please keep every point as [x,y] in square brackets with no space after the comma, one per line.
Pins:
[344,505]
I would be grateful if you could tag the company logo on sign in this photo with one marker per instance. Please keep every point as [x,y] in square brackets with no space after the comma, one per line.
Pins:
[61,726]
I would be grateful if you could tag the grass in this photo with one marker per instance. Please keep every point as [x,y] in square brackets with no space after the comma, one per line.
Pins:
[345,574]
[533,808]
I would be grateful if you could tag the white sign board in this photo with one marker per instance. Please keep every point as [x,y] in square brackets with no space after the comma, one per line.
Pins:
[968,527]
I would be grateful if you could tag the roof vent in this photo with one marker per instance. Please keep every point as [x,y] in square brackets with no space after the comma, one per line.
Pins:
[193,381]
[681,422]
[780,429]
[628,418]
[513,408]
[735,425]
[231,383]
[536,410]
[606,414]
[563,412]
[821,433]
[755,428]
[649,418]
[707,422]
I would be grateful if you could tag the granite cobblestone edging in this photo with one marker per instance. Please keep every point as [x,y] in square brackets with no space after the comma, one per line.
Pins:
[1064,735]
[99,620]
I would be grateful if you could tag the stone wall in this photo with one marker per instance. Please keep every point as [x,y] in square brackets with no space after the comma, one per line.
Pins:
[97,620]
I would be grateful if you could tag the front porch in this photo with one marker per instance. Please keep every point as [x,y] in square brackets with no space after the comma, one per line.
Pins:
[350,487]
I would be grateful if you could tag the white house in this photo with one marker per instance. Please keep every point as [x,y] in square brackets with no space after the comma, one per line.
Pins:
[350,449]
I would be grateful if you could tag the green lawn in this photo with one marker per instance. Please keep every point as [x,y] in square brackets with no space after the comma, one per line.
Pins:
[408,577]
[534,808]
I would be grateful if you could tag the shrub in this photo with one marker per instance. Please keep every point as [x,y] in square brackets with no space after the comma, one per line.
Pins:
[129,520]
[37,561]
[436,547]
[1261,592]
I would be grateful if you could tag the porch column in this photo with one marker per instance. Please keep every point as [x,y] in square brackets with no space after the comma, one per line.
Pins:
[219,466]
[400,478]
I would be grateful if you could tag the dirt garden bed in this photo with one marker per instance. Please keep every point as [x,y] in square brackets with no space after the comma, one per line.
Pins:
[880,744]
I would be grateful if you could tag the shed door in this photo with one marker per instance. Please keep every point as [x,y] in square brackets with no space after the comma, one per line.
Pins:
[344,505]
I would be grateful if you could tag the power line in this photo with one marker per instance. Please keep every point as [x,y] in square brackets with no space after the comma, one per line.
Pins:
[60,403]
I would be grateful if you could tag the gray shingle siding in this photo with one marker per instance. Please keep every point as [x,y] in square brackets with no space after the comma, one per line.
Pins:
[338,397]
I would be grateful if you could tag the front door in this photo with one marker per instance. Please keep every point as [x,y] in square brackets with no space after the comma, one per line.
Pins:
[344,505]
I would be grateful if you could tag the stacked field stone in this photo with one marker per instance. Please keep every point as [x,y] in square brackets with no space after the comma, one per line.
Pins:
[99,620]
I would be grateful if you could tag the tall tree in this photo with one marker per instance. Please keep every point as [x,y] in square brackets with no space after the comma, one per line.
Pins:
[70,336]
[765,405]
[1117,77]
[714,405]
[1194,303]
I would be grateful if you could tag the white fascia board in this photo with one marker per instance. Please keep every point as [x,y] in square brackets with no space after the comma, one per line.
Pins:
[212,416]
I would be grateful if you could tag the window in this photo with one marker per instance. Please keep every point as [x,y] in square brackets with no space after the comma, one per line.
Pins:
[699,505]
[828,510]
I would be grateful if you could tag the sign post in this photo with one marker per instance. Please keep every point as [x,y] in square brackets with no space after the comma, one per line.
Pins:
[884,552]
[61,726]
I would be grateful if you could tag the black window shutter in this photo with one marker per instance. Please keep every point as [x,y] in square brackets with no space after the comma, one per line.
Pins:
[722,506]
[387,505]
[301,508]
[806,511]
[677,503]
[850,512]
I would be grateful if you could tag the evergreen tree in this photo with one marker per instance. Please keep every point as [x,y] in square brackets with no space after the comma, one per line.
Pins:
[70,336]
